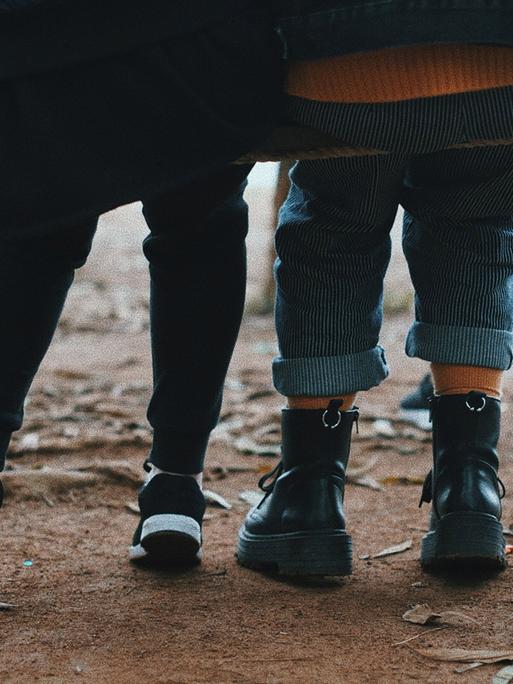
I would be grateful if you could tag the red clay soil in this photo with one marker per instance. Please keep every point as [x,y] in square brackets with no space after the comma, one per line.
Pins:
[83,611]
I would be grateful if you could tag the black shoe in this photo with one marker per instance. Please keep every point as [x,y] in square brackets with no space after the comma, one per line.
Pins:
[414,407]
[464,487]
[299,526]
[169,532]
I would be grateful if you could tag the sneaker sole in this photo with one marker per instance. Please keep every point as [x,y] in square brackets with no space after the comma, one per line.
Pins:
[466,540]
[168,539]
[325,552]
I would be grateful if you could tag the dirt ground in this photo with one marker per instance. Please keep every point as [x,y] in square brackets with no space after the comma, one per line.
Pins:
[81,610]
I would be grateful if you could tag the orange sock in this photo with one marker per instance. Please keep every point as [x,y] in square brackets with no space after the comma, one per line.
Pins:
[320,402]
[453,379]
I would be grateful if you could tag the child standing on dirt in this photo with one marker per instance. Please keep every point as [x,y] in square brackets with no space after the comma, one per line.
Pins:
[410,82]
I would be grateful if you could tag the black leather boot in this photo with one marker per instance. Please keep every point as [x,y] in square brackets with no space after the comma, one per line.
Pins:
[463,486]
[299,526]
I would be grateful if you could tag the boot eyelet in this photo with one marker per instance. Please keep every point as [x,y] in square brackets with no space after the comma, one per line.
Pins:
[325,422]
[477,409]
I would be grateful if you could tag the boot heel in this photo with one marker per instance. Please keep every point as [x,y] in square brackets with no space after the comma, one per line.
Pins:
[470,538]
[297,553]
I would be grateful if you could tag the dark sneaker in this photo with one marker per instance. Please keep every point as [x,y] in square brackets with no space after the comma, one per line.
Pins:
[414,407]
[463,487]
[299,527]
[169,532]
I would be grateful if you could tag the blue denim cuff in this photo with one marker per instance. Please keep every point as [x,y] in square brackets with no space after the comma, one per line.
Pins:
[466,346]
[330,376]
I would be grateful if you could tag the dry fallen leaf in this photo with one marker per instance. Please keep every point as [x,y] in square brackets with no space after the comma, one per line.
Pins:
[422,614]
[357,470]
[247,446]
[402,480]
[462,655]
[364,481]
[503,676]
[70,374]
[251,497]
[466,668]
[7,606]
[29,442]
[383,428]
[390,551]
[214,499]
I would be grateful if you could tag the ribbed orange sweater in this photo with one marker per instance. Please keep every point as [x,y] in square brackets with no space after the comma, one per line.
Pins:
[402,73]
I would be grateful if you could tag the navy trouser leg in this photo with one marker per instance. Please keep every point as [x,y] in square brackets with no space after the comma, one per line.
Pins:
[197,256]
[35,276]
[333,249]
[458,240]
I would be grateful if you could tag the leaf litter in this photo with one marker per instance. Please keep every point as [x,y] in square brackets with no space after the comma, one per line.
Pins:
[215,499]
[503,676]
[253,498]
[6,606]
[390,551]
[422,614]
[462,655]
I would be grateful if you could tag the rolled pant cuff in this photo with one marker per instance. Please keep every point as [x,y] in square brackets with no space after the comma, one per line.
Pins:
[462,346]
[330,376]
[179,452]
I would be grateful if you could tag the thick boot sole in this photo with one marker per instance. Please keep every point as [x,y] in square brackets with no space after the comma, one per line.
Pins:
[168,540]
[324,553]
[467,540]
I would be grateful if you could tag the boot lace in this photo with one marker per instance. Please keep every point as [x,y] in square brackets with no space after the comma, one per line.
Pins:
[267,482]
[427,489]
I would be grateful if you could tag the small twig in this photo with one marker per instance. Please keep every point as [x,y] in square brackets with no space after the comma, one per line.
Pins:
[416,636]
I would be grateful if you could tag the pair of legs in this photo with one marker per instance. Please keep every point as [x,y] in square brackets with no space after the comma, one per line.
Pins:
[197,257]
[457,238]
[333,249]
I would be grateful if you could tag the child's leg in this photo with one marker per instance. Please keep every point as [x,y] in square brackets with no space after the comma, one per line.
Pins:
[458,239]
[35,275]
[197,258]
[333,249]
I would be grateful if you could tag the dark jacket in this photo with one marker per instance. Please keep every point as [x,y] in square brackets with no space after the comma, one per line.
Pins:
[41,35]
[314,29]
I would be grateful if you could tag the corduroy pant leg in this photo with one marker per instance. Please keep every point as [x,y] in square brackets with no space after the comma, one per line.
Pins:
[35,275]
[458,240]
[333,249]
[197,256]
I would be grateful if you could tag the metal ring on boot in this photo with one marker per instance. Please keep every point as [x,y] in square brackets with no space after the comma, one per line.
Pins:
[325,422]
[477,409]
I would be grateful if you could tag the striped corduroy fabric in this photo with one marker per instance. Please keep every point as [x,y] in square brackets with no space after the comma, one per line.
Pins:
[333,243]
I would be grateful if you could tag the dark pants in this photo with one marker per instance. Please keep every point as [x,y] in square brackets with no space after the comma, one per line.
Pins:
[81,140]
[196,251]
